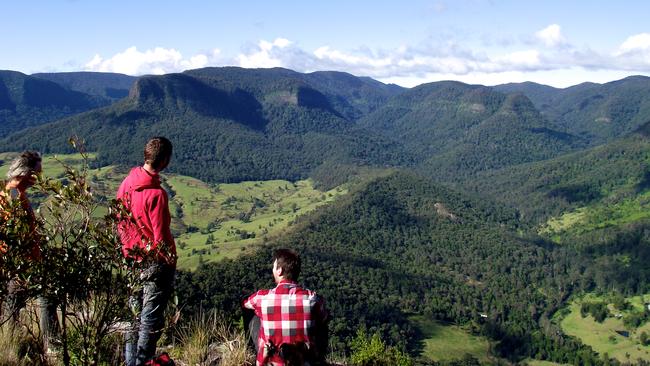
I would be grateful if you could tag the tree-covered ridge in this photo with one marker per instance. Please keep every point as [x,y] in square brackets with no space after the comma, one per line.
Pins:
[103,84]
[27,101]
[456,130]
[228,125]
[596,112]
[610,173]
[513,135]
[431,116]
[404,245]
[348,95]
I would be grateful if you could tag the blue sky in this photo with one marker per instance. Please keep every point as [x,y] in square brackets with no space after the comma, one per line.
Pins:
[408,42]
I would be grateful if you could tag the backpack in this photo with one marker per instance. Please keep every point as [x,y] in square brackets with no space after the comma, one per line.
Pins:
[295,354]
[162,359]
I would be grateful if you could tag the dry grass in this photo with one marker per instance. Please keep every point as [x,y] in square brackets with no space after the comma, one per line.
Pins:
[10,345]
[21,343]
[209,339]
[195,338]
[233,351]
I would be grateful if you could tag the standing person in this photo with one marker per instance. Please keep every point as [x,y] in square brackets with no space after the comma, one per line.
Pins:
[22,175]
[290,322]
[147,239]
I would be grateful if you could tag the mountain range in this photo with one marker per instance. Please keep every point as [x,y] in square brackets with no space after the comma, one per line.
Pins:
[27,101]
[108,85]
[232,124]
[596,112]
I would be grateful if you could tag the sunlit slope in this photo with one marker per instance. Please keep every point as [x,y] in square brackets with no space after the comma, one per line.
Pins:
[615,335]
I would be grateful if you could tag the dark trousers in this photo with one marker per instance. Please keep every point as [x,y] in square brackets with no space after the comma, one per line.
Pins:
[16,300]
[149,305]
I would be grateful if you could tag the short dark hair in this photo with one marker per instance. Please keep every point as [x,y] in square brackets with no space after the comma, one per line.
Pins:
[157,151]
[289,261]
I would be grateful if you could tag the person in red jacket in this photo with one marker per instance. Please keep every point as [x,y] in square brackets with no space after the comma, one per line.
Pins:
[147,239]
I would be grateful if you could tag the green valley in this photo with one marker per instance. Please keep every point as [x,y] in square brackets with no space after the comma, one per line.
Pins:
[443,342]
[612,211]
[224,220]
[613,335]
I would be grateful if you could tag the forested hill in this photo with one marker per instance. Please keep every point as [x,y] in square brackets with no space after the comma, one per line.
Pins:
[516,133]
[348,95]
[611,172]
[596,112]
[455,129]
[404,245]
[233,124]
[27,101]
[102,84]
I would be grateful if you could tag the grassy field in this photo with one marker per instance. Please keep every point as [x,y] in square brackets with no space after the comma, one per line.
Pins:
[531,362]
[603,337]
[449,342]
[211,221]
[222,221]
[607,212]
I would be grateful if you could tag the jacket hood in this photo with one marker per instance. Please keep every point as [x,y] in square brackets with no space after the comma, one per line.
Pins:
[139,179]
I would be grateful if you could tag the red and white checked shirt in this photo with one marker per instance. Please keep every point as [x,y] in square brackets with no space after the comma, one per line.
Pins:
[288,314]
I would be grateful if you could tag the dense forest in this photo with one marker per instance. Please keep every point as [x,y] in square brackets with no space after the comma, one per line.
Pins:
[539,190]
[106,85]
[596,112]
[404,245]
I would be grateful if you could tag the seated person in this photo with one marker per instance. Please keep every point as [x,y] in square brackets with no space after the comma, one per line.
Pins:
[289,326]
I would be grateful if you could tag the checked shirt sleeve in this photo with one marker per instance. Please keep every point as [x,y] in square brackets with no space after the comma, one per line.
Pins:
[254,301]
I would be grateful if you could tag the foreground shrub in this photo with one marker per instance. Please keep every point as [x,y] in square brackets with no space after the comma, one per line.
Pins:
[372,351]
[81,269]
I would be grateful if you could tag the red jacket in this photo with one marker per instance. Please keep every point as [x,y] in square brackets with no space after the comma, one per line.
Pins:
[142,195]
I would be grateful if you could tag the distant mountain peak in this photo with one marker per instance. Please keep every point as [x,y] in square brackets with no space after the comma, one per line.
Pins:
[108,85]
[517,102]
[28,101]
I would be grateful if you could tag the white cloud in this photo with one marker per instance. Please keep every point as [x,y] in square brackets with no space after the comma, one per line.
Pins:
[406,64]
[153,61]
[327,54]
[404,61]
[268,54]
[634,53]
[635,43]
[551,36]
[521,60]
